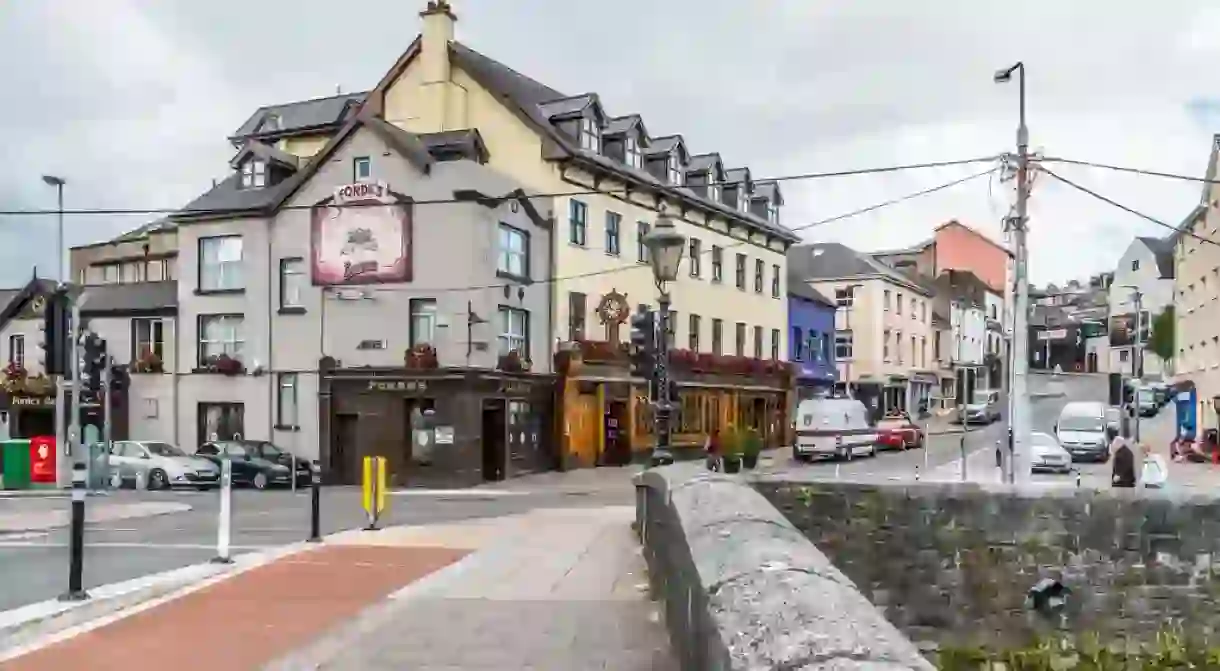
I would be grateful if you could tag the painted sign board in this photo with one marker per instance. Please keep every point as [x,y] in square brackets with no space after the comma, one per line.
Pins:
[361,235]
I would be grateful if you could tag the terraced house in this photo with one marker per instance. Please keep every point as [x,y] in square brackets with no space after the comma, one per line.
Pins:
[441,104]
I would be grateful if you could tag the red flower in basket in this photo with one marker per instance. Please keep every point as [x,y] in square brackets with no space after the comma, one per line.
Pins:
[422,356]
[15,371]
[226,365]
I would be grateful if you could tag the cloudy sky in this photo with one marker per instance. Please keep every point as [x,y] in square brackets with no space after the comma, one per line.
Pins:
[131,101]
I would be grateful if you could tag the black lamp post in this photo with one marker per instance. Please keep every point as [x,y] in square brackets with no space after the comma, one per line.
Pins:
[665,246]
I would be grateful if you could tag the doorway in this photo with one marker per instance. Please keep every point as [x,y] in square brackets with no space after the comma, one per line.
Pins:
[618,443]
[494,434]
[341,462]
[34,422]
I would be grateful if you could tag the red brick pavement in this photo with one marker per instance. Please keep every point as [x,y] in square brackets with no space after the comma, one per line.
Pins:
[249,620]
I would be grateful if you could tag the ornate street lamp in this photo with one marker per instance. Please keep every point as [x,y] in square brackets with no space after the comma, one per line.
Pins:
[665,246]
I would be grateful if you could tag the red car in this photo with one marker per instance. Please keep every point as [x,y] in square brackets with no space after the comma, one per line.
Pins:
[898,432]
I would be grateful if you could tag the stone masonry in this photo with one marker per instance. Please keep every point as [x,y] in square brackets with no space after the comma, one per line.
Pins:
[952,564]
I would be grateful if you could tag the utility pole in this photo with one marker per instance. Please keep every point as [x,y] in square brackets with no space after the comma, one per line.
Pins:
[1137,355]
[64,473]
[1020,419]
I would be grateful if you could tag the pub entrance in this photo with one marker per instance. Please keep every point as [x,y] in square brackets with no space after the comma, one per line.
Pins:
[494,435]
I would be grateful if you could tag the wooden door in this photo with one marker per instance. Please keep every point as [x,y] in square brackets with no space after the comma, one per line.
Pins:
[584,422]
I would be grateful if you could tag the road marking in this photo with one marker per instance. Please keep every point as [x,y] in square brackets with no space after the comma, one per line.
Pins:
[211,547]
[459,493]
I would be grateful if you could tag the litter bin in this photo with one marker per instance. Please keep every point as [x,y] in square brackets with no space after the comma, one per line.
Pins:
[15,464]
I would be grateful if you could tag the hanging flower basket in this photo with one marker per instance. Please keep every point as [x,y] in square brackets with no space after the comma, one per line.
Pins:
[225,365]
[39,385]
[422,357]
[512,362]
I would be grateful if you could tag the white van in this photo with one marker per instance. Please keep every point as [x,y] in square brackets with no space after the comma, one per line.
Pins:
[1082,430]
[835,428]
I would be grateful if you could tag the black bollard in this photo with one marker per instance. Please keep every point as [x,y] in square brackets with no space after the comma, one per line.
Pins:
[76,543]
[315,495]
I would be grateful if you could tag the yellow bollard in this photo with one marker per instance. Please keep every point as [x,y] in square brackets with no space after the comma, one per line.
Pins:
[374,490]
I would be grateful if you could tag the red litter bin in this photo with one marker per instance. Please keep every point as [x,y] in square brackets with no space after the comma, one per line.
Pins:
[43,460]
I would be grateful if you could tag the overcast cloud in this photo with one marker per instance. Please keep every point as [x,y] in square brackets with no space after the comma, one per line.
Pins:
[132,101]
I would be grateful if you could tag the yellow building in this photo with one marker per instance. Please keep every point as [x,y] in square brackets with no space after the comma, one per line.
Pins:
[730,297]
[1196,294]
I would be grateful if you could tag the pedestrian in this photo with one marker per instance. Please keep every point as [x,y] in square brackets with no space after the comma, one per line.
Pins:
[1123,474]
[712,447]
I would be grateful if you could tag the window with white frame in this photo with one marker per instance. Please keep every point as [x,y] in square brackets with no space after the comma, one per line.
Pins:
[147,338]
[514,330]
[220,263]
[614,233]
[286,413]
[16,350]
[292,283]
[845,297]
[772,212]
[253,174]
[631,151]
[713,187]
[775,281]
[675,169]
[590,134]
[578,222]
[221,334]
[695,252]
[362,168]
[843,345]
[514,254]
[423,321]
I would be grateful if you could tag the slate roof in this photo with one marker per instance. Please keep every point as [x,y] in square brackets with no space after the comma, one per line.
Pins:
[1162,249]
[768,188]
[664,144]
[295,117]
[134,297]
[265,152]
[623,124]
[800,289]
[835,261]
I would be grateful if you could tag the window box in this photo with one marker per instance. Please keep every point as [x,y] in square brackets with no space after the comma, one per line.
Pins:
[222,364]
[18,381]
[683,359]
[422,357]
[513,362]
[15,371]
[148,362]
[597,351]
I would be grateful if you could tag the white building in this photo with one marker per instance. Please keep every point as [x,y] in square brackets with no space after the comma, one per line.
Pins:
[1146,267]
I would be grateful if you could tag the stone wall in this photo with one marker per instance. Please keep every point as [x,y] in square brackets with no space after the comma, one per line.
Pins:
[744,589]
[952,563]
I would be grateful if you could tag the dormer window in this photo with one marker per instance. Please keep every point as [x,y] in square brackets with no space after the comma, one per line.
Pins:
[675,170]
[631,151]
[253,174]
[743,200]
[590,135]
[772,213]
[713,188]
[271,123]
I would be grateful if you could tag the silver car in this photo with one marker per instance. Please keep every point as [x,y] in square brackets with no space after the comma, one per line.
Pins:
[1047,455]
[160,465]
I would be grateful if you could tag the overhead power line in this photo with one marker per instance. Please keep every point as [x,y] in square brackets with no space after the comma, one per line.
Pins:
[1126,209]
[637,266]
[444,201]
[1131,171]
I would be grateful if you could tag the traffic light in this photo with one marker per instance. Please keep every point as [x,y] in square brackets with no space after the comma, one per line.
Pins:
[644,343]
[93,360]
[1128,393]
[120,378]
[56,334]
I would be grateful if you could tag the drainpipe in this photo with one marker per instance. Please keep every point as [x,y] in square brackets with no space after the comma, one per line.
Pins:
[271,265]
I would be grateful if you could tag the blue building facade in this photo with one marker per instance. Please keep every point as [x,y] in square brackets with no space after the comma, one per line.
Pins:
[811,338]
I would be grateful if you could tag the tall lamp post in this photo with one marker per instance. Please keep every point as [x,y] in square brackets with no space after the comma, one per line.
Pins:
[1019,419]
[665,246]
[61,383]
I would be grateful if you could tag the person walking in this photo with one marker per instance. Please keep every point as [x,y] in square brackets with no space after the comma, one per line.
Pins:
[1123,474]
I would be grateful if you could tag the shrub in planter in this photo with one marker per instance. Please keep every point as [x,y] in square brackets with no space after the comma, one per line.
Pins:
[512,362]
[148,362]
[225,365]
[731,450]
[422,357]
[705,363]
[751,447]
[683,359]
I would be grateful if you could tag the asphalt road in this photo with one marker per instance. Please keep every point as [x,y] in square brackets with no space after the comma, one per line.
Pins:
[35,565]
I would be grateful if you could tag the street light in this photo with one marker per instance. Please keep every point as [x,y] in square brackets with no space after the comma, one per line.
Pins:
[665,246]
[61,386]
[58,183]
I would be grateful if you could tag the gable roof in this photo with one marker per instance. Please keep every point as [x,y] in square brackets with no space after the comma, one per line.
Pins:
[317,114]
[974,232]
[834,261]
[19,298]
[1162,250]
[265,152]
[226,199]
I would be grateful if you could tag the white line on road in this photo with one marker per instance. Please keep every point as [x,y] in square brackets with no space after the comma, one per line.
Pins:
[211,547]
[458,492]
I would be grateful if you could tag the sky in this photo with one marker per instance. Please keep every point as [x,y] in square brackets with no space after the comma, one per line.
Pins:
[130,102]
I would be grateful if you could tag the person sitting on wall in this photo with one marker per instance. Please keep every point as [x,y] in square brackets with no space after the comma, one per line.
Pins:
[1123,474]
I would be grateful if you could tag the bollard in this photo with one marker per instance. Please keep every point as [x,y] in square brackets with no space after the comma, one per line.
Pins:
[224,530]
[916,472]
[962,447]
[1077,479]
[293,458]
[315,502]
[836,471]
[76,543]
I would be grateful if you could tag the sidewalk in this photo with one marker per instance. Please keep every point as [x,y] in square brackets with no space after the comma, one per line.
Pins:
[551,589]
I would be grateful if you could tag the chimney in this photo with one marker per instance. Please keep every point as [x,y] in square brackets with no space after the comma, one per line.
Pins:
[438,19]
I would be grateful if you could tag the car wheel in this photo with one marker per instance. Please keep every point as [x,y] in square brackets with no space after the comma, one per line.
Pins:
[157,479]
[260,481]
[873,451]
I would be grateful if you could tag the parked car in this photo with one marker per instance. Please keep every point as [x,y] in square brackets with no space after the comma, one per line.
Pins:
[983,408]
[898,431]
[837,428]
[160,465]
[1047,455]
[1146,401]
[250,463]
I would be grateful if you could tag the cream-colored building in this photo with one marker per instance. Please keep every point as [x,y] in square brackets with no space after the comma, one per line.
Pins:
[1196,296]
[885,343]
